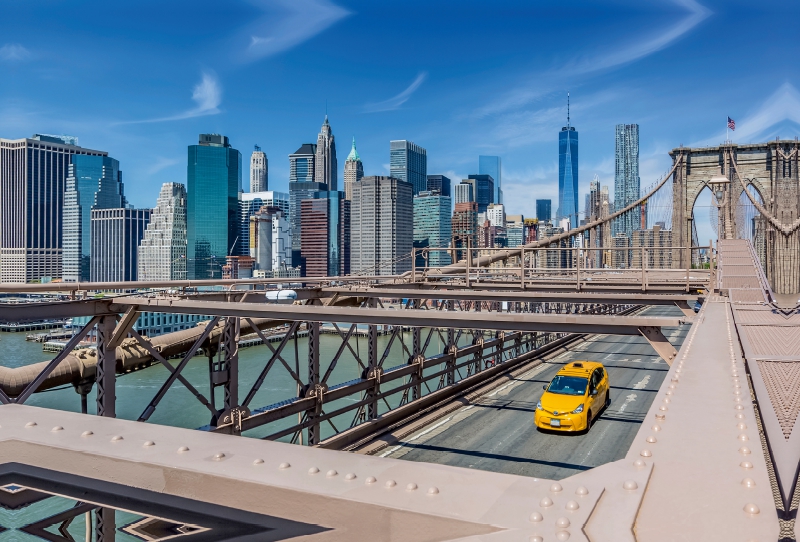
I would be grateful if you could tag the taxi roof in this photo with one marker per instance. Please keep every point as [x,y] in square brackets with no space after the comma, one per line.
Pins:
[579,368]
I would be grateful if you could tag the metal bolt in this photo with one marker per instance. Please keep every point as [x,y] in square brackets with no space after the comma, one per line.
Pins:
[639,463]
[87,433]
[749,482]
[556,487]
[562,523]
[546,502]
[350,476]
[331,473]
[116,438]
[282,466]
[741,427]
[751,509]
[561,536]
[411,487]
[746,465]
[57,428]
[149,443]
[535,517]
[739,416]
[183,449]
[666,400]
[651,439]
[370,480]
[646,453]
[661,417]
[582,491]
[656,428]
[744,450]
[738,407]
[218,457]
[433,491]
[390,483]
[30,424]
[535,538]
[313,470]
[572,505]
[743,437]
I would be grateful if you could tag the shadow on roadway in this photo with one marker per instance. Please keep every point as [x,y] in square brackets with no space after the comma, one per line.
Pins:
[498,457]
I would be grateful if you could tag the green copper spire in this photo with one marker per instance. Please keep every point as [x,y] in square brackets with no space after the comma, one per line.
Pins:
[353,156]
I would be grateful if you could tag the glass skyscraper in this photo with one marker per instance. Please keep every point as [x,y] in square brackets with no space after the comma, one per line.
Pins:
[482,190]
[568,173]
[432,227]
[214,180]
[490,165]
[409,162]
[543,210]
[626,177]
[440,183]
[325,235]
[93,182]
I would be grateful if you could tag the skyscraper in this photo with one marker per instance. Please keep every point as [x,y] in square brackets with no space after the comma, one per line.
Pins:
[259,171]
[325,238]
[353,171]
[544,210]
[463,192]
[440,183]
[301,163]
[270,240]
[325,166]
[93,182]
[465,227]
[482,190]
[490,165]
[162,252]
[382,226]
[626,177]
[432,227]
[249,204]
[568,173]
[409,162]
[214,180]
[33,175]
[115,235]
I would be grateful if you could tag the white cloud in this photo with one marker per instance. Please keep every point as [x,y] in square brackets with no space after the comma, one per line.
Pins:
[162,163]
[396,101]
[207,94]
[14,52]
[299,20]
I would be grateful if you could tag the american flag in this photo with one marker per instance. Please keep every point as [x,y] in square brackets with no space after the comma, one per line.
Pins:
[731,124]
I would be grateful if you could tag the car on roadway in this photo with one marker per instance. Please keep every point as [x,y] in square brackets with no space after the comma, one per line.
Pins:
[574,398]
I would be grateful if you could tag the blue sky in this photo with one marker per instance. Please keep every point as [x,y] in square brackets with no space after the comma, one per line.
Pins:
[461,78]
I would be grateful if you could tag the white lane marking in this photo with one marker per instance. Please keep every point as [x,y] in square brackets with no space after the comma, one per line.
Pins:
[642,384]
[628,400]
[637,360]
[418,435]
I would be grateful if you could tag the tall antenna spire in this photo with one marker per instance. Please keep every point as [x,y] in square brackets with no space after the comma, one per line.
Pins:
[567,109]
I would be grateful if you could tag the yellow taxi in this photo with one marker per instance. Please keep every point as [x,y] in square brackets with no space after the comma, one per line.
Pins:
[574,398]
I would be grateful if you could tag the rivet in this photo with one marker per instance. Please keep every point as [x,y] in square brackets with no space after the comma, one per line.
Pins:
[30,424]
[572,505]
[744,450]
[331,473]
[739,407]
[282,466]
[669,392]
[562,523]
[149,443]
[535,538]
[581,491]
[651,439]
[662,408]
[746,465]
[739,416]
[546,502]
[87,433]
[743,437]
[656,428]
[661,417]
[390,483]
[218,457]
[749,482]
[350,476]
[556,487]
[116,438]
[737,399]
[562,536]
[313,470]
[433,491]
[411,487]
[630,485]
[737,392]
[535,517]
[740,426]
[183,449]
[370,480]
[57,428]
[639,463]
[666,400]
[751,509]
[645,453]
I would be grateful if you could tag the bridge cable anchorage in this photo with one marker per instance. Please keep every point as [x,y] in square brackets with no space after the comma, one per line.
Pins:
[484,261]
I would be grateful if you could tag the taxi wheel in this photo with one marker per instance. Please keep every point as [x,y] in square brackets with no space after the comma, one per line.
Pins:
[589,421]
[608,399]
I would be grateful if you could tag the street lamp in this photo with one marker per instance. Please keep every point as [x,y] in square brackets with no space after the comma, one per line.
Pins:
[718,184]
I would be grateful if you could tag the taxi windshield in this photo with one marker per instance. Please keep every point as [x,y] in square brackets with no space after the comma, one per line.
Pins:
[568,385]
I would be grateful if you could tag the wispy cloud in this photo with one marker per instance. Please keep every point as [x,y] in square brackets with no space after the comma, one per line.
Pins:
[396,101]
[296,22]
[162,163]
[14,52]
[207,94]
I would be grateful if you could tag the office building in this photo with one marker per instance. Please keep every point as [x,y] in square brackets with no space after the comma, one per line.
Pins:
[655,244]
[301,163]
[382,226]
[33,174]
[238,267]
[463,192]
[515,230]
[325,237]
[464,227]
[162,252]
[490,165]
[353,171]
[482,190]
[249,204]
[554,259]
[490,236]
[115,238]
[270,239]
[299,191]
[544,210]
[626,177]
[409,162]
[432,228]
[496,214]
[259,171]
[568,173]
[214,180]
[440,183]
[93,182]
[325,165]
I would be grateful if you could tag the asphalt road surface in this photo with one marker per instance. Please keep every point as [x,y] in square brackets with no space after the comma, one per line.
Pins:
[497,433]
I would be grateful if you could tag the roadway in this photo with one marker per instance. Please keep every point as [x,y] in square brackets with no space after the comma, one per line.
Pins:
[496,433]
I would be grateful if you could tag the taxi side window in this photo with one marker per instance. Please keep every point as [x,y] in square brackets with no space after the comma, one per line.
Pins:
[595,379]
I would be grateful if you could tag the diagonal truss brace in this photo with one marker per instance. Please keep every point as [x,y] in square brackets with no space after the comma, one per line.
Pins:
[659,343]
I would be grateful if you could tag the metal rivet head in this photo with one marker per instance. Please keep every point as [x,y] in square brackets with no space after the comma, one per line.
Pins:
[739,416]
[30,424]
[116,438]
[87,433]
[535,517]
[331,473]
[741,426]
[656,428]
[663,408]
[562,523]
[411,487]
[535,538]
[739,407]
[651,439]
[370,480]
[749,482]
[582,491]
[350,476]
[149,443]
[572,505]
[556,487]
[743,437]
[313,470]
[751,509]
[666,400]
[646,453]
[57,428]
[562,536]
[546,502]
[661,417]
[390,483]
[218,457]
[630,485]
[746,465]
[183,449]
[639,463]
[433,491]
[282,466]
[744,450]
